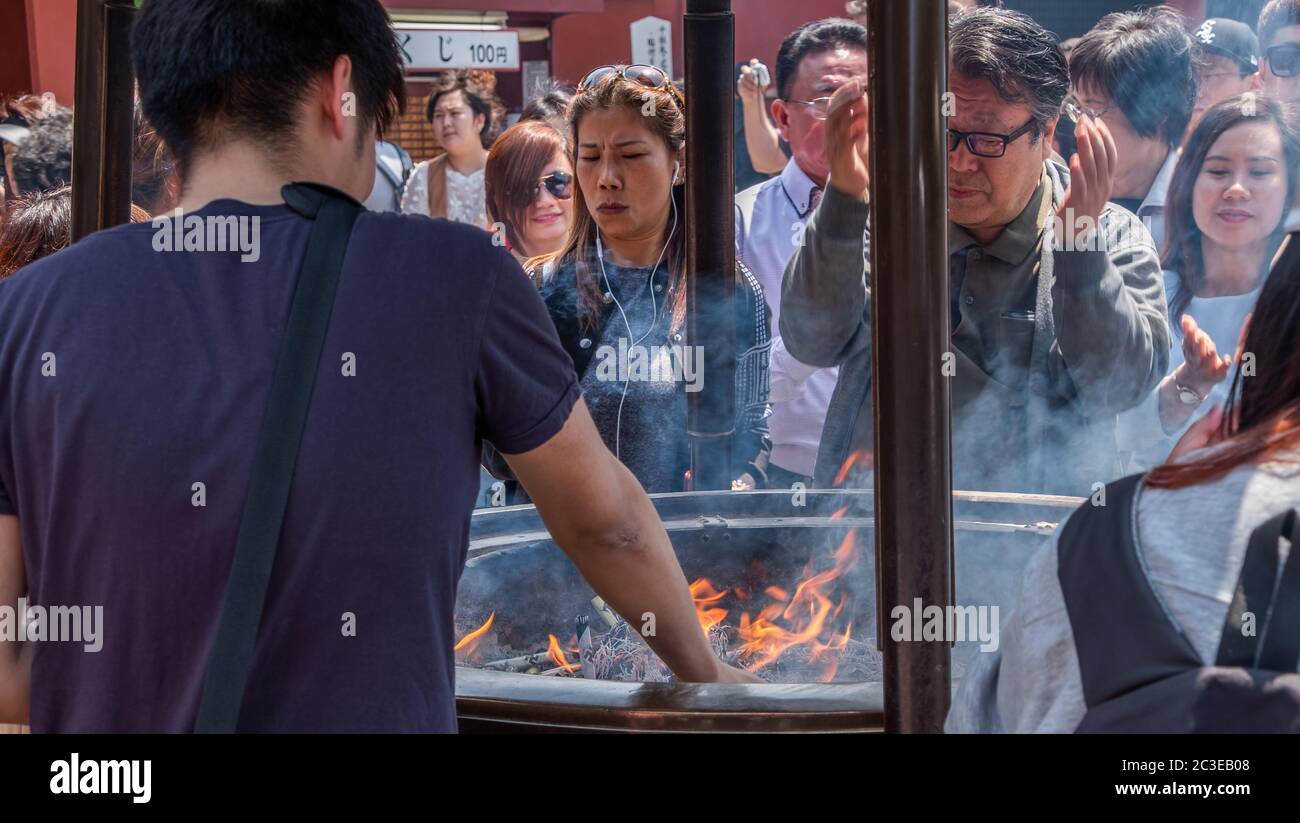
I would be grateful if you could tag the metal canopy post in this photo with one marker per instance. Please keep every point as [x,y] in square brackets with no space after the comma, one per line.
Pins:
[910,335]
[103,127]
[709,38]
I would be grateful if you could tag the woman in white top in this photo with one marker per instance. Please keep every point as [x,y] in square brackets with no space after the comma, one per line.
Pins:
[1191,524]
[466,116]
[1223,224]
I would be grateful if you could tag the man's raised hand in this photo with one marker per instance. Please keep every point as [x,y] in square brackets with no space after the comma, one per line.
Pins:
[847,140]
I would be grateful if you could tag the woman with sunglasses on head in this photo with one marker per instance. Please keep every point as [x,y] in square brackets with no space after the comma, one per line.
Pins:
[466,116]
[529,183]
[617,289]
[1224,221]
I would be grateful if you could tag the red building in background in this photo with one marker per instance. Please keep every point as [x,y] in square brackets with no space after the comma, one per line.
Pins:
[558,39]
[571,35]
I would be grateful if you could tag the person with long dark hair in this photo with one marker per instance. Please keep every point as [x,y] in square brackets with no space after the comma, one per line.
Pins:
[1224,219]
[617,288]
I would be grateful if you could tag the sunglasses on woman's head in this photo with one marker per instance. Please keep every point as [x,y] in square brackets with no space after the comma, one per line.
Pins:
[651,77]
[558,183]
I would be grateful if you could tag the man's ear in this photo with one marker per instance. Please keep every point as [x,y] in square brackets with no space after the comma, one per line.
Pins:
[1049,138]
[340,103]
[781,115]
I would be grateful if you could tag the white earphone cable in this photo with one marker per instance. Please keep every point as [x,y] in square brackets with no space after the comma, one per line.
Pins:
[654,314]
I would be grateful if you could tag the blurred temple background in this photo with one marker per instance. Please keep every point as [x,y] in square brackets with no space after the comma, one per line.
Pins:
[544,41]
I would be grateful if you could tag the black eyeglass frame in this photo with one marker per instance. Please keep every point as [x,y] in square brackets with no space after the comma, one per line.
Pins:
[1292,47]
[956,136]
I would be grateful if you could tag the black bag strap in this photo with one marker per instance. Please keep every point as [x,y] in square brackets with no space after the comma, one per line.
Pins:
[1274,603]
[277,451]
[1123,636]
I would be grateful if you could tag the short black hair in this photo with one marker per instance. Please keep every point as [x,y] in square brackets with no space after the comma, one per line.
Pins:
[43,161]
[1278,14]
[210,68]
[814,38]
[555,103]
[1022,60]
[1145,62]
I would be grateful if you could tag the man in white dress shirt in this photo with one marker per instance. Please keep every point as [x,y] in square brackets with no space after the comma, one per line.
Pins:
[813,61]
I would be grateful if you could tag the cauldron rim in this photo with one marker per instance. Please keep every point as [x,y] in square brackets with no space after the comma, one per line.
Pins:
[594,705]
[503,700]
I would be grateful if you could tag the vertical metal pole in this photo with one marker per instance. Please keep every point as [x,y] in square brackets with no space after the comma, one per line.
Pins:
[103,116]
[910,335]
[709,41]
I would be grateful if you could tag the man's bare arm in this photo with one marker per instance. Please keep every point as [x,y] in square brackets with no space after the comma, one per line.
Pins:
[15,657]
[600,516]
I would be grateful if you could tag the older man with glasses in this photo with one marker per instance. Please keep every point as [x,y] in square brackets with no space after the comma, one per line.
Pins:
[813,61]
[1058,312]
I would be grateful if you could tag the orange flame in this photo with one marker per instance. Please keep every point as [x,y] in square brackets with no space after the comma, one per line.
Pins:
[777,593]
[858,456]
[832,664]
[556,654]
[470,641]
[704,595]
[806,615]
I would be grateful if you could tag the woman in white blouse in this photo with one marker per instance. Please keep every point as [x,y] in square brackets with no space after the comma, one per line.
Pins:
[1223,223]
[466,116]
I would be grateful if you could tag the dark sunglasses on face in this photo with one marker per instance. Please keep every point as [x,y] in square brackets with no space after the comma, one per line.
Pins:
[558,183]
[1284,60]
[985,143]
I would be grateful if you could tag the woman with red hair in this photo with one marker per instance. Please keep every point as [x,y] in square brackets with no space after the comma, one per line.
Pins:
[529,187]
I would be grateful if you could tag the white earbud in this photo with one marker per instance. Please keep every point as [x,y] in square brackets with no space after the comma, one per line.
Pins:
[677,166]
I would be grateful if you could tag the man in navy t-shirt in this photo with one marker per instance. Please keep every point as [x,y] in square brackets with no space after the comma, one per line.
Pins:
[135,374]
